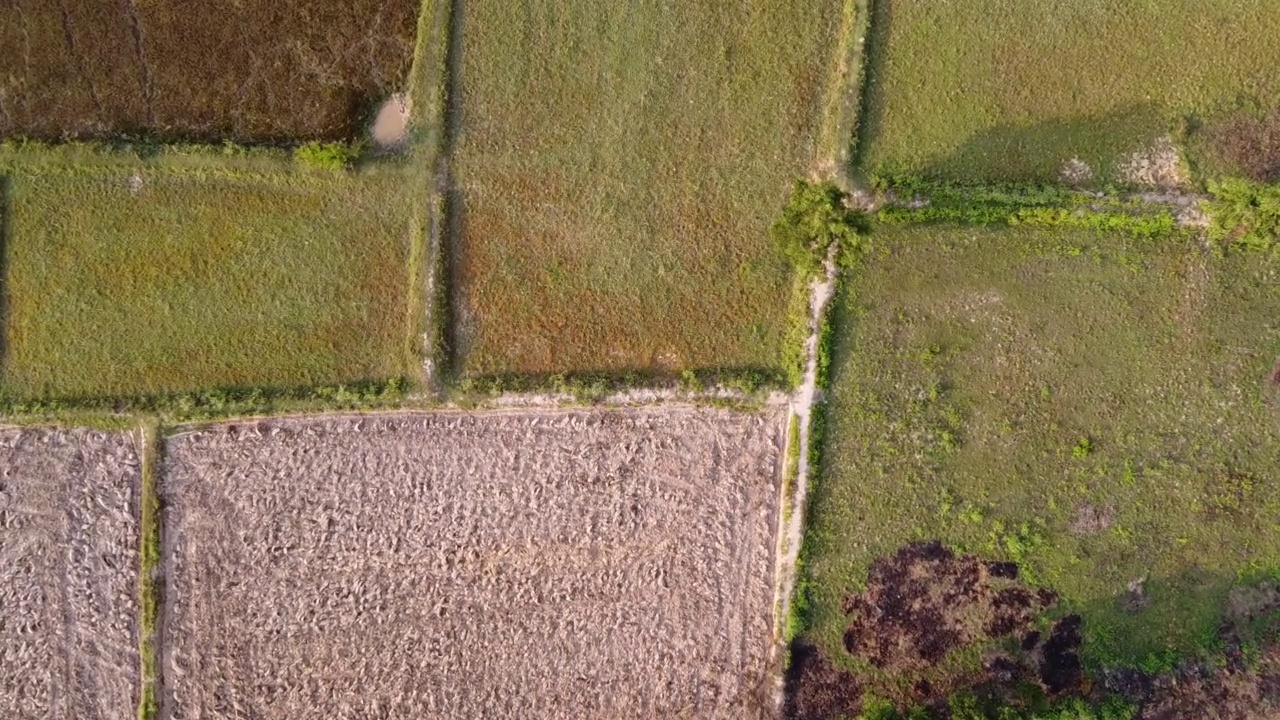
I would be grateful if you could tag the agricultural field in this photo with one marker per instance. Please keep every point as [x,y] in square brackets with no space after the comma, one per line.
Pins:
[250,71]
[1103,412]
[139,277]
[616,167]
[550,564]
[1011,91]
[68,574]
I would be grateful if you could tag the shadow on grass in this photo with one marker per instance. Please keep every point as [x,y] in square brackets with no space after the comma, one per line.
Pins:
[1161,621]
[1037,152]
[452,206]
[870,103]
[1007,152]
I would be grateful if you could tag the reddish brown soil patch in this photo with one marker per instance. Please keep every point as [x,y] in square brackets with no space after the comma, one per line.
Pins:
[920,605]
[252,70]
[925,601]
[1250,145]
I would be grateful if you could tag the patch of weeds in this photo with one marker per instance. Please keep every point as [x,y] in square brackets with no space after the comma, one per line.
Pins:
[1245,213]
[1019,204]
[1083,448]
[149,587]
[326,156]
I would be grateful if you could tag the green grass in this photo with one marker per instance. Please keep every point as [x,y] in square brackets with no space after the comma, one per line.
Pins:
[619,165]
[149,564]
[1009,90]
[989,385]
[216,273]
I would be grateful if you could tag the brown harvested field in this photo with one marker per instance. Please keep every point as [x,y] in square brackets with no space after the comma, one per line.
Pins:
[251,70]
[68,575]
[551,564]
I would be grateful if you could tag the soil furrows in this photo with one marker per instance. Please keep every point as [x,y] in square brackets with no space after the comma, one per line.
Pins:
[68,574]
[604,564]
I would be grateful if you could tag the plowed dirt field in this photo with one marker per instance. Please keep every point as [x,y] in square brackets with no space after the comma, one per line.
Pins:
[555,564]
[68,575]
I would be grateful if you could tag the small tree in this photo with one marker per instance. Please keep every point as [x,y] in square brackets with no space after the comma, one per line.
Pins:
[814,221]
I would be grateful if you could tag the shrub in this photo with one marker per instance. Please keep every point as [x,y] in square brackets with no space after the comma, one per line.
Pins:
[814,221]
[327,156]
[1244,212]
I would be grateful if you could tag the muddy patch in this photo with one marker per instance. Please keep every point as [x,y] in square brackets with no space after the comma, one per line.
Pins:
[390,131]
[68,574]
[1230,692]
[541,564]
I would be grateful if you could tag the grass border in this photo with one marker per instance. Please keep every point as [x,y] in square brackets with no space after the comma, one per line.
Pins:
[149,570]
[842,110]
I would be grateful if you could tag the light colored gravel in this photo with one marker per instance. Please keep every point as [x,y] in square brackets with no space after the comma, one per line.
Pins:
[537,565]
[68,575]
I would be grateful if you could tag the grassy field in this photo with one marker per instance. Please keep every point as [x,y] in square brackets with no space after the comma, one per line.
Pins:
[1009,90]
[618,165]
[1101,410]
[125,278]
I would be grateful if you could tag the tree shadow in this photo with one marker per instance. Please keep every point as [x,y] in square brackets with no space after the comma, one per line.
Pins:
[870,103]
[449,223]
[1036,152]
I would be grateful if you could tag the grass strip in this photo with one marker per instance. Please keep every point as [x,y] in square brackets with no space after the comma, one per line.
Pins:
[149,569]
[428,90]
[838,137]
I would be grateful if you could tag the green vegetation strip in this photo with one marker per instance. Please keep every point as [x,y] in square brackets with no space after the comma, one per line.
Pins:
[149,568]
[1103,410]
[920,200]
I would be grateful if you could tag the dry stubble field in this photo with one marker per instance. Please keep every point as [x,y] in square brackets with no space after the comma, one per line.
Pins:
[605,564]
[68,575]
[249,70]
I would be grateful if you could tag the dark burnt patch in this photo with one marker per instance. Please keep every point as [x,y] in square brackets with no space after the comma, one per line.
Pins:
[816,689]
[1060,669]
[925,601]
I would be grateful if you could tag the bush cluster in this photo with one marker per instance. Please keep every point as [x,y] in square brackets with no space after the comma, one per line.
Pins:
[326,156]
[1244,212]
[1020,204]
[815,221]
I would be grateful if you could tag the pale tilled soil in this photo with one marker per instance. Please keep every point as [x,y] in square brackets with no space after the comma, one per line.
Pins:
[550,564]
[68,575]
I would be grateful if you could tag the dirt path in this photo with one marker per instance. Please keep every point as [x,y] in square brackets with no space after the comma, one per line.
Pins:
[791,532]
